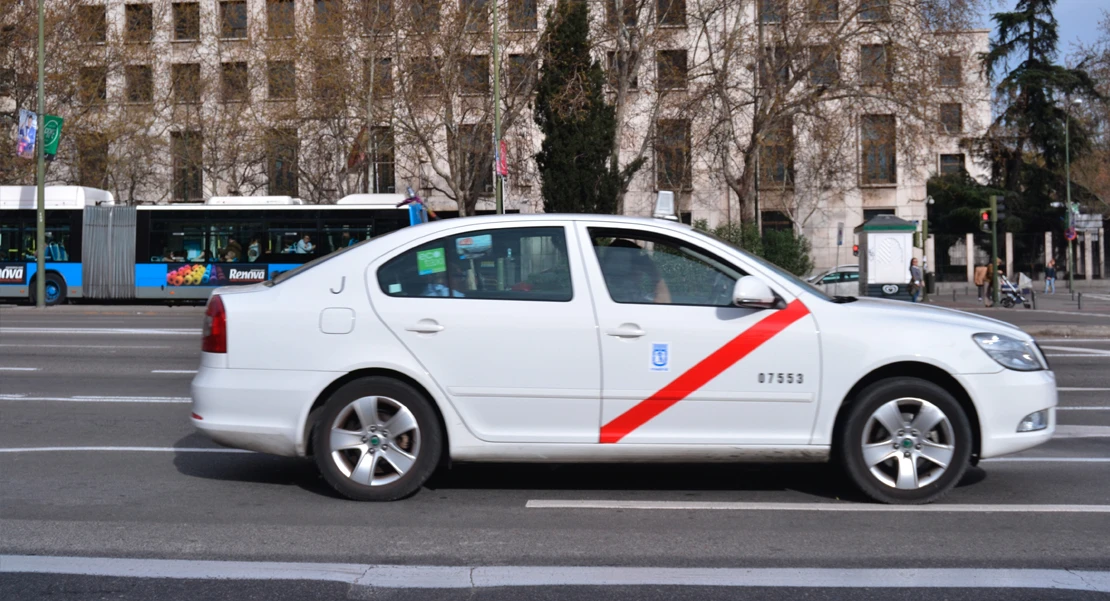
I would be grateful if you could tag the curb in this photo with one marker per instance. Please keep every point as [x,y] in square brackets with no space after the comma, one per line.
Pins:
[1067,331]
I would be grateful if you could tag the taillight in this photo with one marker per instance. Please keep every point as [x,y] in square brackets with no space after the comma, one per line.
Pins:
[215,327]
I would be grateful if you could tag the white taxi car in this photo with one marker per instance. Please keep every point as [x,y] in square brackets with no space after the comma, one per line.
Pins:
[587,338]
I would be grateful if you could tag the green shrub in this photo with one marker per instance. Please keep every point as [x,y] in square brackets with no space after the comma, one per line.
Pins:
[783,248]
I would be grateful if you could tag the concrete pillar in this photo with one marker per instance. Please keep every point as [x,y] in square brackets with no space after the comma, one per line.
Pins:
[1009,263]
[970,258]
[1101,253]
[1047,248]
[1088,267]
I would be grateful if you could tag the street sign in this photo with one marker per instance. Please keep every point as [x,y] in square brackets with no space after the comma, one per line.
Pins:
[840,233]
[51,135]
[1069,234]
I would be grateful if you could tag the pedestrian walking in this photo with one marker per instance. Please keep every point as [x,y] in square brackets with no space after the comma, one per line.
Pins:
[917,283]
[981,279]
[1050,277]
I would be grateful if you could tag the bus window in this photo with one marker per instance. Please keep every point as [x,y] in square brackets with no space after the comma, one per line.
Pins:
[293,238]
[341,236]
[177,240]
[10,243]
[230,242]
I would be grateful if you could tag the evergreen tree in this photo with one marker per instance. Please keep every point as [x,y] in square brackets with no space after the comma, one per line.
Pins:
[578,125]
[1027,146]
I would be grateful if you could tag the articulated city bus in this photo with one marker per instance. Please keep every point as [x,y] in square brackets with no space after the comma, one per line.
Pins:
[97,249]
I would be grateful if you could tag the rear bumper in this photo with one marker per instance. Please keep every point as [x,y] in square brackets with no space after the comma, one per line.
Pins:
[1002,400]
[257,410]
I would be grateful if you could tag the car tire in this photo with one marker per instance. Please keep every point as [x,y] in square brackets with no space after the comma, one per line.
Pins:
[55,288]
[898,434]
[355,450]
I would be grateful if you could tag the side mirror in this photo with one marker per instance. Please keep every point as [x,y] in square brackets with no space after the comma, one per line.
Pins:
[751,293]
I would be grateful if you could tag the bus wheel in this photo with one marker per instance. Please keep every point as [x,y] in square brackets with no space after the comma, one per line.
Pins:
[55,288]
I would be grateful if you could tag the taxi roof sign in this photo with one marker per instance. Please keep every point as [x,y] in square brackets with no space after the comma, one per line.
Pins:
[664,206]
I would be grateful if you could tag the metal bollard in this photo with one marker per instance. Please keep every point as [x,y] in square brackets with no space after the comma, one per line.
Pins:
[1080,301]
[1034,295]
[953,295]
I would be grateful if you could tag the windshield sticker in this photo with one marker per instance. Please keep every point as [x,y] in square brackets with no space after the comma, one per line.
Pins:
[431,261]
[660,356]
[474,247]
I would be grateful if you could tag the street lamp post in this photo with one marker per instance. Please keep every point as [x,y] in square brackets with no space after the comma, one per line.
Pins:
[40,174]
[1067,176]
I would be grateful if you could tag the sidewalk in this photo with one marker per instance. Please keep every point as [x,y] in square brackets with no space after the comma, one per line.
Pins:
[1060,315]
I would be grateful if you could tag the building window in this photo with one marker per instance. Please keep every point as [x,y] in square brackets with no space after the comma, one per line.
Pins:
[869,214]
[875,66]
[474,74]
[92,24]
[874,10]
[951,164]
[772,11]
[672,154]
[188,151]
[775,221]
[522,68]
[140,83]
[233,20]
[185,80]
[476,15]
[424,72]
[381,72]
[823,10]
[774,69]
[186,21]
[93,85]
[424,15]
[951,118]
[233,82]
[824,69]
[139,26]
[92,160]
[776,155]
[670,13]
[329,78]
[377,16]
[616,66]
[627,12]
[522,15]
[671,68]
[951,71]
[280,19]
[329,18]
[282,80]
[383,158]
[474,141]
[281,162]
[877,137]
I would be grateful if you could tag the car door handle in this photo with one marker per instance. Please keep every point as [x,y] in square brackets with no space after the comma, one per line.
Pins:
[626,330]
[425,326]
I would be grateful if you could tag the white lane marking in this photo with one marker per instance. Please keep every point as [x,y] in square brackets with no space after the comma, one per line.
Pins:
[173,371]
[475,577]
[829,507]
[1082,432]
[1067,355]
[97,399]
[128,331]
[19,369]
[119,449]
[1075,349]
[1083,390]
[1049,459]
[1083,408]
[1099,340]
[82,346]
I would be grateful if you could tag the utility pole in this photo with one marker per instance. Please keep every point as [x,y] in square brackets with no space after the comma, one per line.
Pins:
[40,173]
[497,191]
[1067,175]
[996,295]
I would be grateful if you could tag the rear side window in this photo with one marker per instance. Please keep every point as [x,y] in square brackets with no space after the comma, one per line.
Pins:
[527,264]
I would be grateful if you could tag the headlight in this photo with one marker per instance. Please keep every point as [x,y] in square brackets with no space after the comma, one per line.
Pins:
[1011,353]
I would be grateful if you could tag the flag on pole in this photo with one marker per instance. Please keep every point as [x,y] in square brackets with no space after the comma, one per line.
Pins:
[357,155]
[502,160]
[28,129]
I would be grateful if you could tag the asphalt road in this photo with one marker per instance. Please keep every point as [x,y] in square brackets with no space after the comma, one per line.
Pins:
[98,460]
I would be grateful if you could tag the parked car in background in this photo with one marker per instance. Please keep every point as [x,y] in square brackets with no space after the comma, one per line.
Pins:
[842,280]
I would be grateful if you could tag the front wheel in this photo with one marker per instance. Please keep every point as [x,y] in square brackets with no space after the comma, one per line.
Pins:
[1008,302]
[905,441]
[55,288]
[377,439]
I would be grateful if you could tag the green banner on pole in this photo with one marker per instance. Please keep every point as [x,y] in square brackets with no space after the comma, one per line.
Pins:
[51,135]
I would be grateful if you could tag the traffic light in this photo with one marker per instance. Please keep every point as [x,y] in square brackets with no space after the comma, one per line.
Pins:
[855,250]
[1000,208]
[985,220]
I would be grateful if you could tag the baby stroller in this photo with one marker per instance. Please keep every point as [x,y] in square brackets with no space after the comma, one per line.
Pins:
[1010,294]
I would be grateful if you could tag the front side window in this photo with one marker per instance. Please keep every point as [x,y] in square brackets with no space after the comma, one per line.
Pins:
[524,264]
[643,268]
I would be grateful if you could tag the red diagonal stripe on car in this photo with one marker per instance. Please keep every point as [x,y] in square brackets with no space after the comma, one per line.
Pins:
[702,373]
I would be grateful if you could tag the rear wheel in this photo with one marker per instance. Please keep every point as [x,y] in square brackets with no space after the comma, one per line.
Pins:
[377,439]
[905,441]
[1008,302]
[55,288]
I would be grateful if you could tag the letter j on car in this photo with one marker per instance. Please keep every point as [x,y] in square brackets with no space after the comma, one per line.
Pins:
[588,338]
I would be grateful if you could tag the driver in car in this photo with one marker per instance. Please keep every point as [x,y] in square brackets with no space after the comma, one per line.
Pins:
[632,275]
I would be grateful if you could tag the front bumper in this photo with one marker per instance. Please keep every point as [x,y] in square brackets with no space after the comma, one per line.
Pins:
[1002,399]
[256,409]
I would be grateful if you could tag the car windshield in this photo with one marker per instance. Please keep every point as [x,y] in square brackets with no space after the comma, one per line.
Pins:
[814,290]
